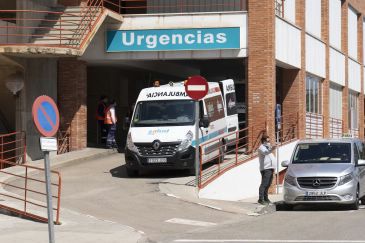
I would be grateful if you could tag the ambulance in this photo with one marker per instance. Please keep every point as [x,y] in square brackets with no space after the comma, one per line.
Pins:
[161,134]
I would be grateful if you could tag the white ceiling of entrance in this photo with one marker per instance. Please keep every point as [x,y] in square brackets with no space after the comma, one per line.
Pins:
[165,67]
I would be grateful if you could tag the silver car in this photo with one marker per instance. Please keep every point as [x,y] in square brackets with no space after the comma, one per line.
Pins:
[326,171]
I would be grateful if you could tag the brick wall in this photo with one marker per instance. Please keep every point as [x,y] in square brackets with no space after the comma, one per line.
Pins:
[72,92]
[360,58]
[261,66]
[344,42]
[326,82]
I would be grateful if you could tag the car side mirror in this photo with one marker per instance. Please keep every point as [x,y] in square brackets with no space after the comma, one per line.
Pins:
[361,162]
[285,163]
[204,122]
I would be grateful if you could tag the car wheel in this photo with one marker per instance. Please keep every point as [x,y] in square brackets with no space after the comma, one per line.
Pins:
[355,205]
[362,200]
[132,173]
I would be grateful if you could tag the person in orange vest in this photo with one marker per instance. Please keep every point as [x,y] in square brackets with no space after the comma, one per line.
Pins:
[110,122]
[100,116]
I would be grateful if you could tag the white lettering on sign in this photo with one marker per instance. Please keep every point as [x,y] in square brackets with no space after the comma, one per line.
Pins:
[196,87]
[151,41]
[48,144]
[166,94]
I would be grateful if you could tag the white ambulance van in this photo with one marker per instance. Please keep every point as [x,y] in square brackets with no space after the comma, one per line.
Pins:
[161,134]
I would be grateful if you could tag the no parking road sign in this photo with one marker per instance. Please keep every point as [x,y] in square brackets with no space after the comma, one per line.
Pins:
[46,116]
[196,87]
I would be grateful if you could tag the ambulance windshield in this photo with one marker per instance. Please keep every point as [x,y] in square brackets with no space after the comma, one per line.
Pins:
[164,113]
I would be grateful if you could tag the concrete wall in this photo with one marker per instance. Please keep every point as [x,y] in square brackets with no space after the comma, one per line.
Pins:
[40,79]
[43,5]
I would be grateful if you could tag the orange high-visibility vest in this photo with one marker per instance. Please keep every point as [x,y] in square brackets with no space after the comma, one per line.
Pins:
[98,117]
[108,116]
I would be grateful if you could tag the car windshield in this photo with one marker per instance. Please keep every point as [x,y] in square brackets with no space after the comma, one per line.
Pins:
[164,113]
[323,153]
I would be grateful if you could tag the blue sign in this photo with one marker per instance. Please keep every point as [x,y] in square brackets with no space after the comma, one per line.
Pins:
[173,39]
[46,116]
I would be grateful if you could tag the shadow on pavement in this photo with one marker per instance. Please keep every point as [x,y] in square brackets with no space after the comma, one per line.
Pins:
[120,172]
[313,207]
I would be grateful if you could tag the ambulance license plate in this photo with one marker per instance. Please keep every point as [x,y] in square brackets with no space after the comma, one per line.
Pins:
[156,160]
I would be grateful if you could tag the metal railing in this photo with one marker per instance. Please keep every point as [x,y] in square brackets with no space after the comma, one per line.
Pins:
[288,129]
[26,195]
[335,127]
[314,125]
[32,25]
[50,28]
[226,152]
[64,140]
[174,6]
[13,148]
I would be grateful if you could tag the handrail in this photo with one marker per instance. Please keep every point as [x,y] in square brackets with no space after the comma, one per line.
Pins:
[13,148]
[22,192]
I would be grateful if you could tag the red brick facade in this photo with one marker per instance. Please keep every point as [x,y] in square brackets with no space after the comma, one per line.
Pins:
[261,66]
[72,92]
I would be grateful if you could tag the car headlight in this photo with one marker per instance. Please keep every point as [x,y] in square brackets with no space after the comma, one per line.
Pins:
[186,142]
[130,144]
[345,179]
[290,180]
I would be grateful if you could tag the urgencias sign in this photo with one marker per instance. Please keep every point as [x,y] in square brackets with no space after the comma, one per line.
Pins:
[173,39]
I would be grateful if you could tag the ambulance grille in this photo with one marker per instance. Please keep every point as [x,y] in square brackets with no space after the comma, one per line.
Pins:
[165,149]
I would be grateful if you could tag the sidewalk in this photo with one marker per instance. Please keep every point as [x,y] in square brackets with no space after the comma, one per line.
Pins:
[75,227]
[183,189]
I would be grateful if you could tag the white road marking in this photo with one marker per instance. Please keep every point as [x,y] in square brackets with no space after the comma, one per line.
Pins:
[171,195]
[272,241]
[190,222]
[209,206]
[196,87]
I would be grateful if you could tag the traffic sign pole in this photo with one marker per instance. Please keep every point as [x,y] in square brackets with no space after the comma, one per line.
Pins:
[49,197]
[46,118]
[197,88]
[197,154]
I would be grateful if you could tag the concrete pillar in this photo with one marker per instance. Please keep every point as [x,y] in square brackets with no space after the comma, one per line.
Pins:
[261,68]
[72,93]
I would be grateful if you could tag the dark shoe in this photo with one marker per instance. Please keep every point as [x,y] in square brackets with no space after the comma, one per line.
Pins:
[262,202]
[268,201]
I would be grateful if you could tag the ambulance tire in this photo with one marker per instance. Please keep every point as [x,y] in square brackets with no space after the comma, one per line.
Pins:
[132,173]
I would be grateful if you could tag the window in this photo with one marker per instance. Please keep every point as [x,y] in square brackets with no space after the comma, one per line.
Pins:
[335,101]
[214,107]
[323,153]
[313,94]
[353,110]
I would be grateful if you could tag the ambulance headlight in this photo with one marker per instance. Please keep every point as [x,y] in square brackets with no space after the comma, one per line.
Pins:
[186,142]
[130,144]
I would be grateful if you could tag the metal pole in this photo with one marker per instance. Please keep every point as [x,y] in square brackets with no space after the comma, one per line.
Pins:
[49,197]
[197,162]
[277,164]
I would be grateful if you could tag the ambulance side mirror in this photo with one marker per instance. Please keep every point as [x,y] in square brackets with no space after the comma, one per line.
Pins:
[204,121]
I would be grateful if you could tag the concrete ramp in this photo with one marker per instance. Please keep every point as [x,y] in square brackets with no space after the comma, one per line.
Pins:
[242,181]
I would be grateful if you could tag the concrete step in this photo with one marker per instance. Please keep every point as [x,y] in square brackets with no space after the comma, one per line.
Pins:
[52,42]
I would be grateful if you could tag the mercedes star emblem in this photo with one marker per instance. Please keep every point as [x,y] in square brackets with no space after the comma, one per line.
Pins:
[316,182]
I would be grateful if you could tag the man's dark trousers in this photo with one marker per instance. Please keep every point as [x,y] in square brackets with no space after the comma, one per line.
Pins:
[266,180]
